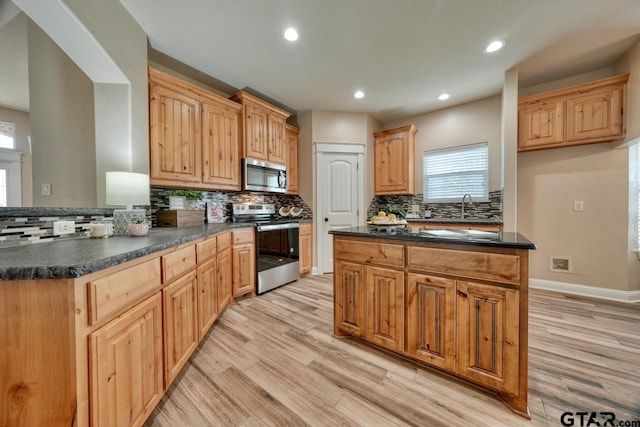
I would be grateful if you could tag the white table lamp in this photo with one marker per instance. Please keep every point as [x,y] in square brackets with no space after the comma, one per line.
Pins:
[127,188]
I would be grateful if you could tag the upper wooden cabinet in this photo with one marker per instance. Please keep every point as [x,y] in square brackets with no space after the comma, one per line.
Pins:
[291,159]
[263,129]
[394,159]
[194,136]
[583,114]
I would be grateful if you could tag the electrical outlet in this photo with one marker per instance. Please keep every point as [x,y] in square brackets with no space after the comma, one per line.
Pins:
[578,205]
[46,190]
[64,227]
[415,208]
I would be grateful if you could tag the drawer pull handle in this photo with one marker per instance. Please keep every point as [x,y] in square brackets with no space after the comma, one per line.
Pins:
[462,294]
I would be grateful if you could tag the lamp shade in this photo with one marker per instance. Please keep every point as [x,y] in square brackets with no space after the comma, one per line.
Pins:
[127,188]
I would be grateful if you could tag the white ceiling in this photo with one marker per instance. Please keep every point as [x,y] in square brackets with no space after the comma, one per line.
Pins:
[401,53]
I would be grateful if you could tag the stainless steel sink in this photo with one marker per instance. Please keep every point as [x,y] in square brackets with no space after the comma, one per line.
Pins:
[461,234]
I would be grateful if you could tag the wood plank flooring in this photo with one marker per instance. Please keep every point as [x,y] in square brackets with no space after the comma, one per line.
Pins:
[272,361]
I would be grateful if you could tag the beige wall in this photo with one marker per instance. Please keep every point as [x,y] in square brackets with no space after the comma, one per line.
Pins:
[62,126]
[464,124]
[336,127]
[23,131]
[549,181]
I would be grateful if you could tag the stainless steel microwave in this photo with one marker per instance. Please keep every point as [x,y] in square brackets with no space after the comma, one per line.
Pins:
[258,175]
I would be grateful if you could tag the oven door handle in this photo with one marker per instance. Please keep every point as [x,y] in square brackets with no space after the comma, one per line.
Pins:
[271,227]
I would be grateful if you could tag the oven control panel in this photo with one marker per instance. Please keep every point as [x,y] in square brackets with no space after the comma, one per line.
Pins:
[253,209]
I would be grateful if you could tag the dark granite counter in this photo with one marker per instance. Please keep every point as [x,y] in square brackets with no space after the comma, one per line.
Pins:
[458,237]
[77,257]
[487,221]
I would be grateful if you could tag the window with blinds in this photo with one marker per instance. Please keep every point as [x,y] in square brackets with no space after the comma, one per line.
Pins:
[7,135]
[451,173]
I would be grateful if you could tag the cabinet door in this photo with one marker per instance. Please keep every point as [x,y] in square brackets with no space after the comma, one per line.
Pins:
[349,297]
[126,366]
[385,308]
[220,147]
[292,160]
[305,248]
[394,163]
[225,279]
[256,131]
[431,309]
[276,149]
[595,116]
[244,266]
[180,324]
[207,296]
[488,325]
[541,124]
[174,135]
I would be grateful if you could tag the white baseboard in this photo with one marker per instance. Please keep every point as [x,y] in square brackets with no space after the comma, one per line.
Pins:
[314,271]
[587,291]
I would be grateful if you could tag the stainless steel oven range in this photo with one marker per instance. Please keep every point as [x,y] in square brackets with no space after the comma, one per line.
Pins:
[277,244]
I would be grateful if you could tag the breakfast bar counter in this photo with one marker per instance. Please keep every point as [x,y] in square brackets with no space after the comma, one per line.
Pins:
[453,300]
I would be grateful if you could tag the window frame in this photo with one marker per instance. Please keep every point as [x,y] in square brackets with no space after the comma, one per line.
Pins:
[457,198]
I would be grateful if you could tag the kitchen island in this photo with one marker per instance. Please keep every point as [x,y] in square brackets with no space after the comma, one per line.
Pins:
[455,300]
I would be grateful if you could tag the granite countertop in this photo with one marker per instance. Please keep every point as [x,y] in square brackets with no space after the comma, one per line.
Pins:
[76,257]
[490,221]
[462,237]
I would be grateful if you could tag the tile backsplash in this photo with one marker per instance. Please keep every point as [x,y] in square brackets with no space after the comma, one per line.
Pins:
[160,200]
[490,210]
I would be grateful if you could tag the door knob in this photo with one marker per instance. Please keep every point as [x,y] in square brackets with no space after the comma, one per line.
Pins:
[326,220]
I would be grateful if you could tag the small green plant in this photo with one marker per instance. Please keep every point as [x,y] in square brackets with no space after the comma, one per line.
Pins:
[140,219]
[188,194]
[397,210]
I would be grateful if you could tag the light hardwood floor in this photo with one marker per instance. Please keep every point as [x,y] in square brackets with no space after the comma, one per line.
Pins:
[272,361]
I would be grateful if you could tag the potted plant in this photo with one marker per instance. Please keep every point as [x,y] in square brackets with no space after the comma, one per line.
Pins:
[139,227]
[192,197]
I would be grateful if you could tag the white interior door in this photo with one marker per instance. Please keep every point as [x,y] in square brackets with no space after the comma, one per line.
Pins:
[341,192]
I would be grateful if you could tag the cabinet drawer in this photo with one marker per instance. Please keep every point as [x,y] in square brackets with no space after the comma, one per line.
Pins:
[224,241]
[206,249]
[178,262]
[113,292]
[244,235]
[477,265]
[369,253]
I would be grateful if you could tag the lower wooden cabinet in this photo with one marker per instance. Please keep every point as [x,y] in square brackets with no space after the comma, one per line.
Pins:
[431,321]
[306,248]
[126,366]
[349,299]
[244,262]
[225,279]
[488,328]
[207,296]
[385,307]
[180,324]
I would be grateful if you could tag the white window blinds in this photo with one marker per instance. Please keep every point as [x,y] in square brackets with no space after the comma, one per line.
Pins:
[451,173]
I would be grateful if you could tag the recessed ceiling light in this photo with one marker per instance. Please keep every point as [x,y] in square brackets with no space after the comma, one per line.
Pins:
[359,94]
[494,46]
[291,34]
[444,96]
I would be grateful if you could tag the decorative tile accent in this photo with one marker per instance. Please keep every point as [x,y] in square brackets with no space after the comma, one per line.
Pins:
[489,210]
[160,200]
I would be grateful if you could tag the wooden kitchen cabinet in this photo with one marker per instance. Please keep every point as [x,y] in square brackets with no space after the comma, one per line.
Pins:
[194,136]
[394,153]
[174,137]
[385,307]
[126,366]
[244,262]
[180,324]
[207,296]
[291,160]
[581,114]
[263,129]
[488,328]
[431,321]
[306,248]
[349,299]
[224,274]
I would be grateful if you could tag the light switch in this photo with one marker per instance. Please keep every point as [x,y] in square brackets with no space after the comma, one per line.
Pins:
[578,205]
[46,190]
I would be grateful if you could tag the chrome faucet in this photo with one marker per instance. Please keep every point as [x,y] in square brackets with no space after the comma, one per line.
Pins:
[463,199]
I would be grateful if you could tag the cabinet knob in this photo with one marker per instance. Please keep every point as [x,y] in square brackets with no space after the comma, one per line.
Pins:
[462,294]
